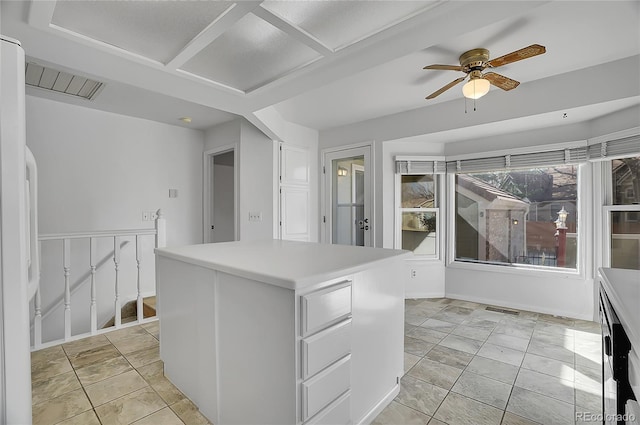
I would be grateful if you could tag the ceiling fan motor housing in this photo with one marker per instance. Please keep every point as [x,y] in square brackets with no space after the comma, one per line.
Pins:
[474,60]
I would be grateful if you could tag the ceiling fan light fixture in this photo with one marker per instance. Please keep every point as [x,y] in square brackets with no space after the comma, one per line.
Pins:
[476,88]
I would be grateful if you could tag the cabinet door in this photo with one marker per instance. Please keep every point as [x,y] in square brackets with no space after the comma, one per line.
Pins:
[295,189]
[325,347]
[323,308]
[295,214]
[321,390]
[295,165]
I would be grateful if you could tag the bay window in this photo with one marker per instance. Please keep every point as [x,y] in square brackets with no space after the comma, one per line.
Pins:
[418,206]
[518,210]
[622,215]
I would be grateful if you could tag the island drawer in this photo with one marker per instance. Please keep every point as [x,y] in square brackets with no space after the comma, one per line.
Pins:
[325,387]
[325,347]
[337,413]
[325,307]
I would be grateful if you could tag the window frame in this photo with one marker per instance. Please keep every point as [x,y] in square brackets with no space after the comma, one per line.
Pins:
[607,207]
[440,201]
[583,219]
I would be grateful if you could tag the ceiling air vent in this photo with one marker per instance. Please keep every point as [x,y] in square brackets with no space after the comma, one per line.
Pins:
[61,82]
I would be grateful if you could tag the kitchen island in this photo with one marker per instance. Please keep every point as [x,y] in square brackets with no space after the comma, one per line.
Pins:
[281,332]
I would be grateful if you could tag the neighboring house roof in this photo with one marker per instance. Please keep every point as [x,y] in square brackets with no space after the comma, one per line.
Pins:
[484,189]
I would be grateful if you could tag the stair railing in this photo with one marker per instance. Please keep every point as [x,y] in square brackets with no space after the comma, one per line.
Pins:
[159,231]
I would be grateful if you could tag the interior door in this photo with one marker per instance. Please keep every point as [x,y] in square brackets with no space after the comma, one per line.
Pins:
[348,197]
[222,207]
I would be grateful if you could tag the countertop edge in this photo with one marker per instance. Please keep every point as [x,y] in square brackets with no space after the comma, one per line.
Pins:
[291,284]
[620,308]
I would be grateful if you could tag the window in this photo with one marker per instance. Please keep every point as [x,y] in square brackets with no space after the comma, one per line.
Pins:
[417,206]
[507,213]
[624,227]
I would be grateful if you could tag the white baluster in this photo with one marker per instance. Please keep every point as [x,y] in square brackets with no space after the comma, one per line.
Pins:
[66,260]
[116,260]
[37,304]
[161,230]
[93,310]
[37,321]
[139,308]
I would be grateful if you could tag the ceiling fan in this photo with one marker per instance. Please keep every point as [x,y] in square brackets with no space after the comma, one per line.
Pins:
[474,61]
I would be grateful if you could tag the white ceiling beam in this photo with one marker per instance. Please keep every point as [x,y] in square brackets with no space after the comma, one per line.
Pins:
[215,29]
[293,31]
[41,13]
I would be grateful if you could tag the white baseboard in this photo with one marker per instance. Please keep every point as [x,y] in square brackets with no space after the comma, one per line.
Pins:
[373,413]
[410,295]
[519,306]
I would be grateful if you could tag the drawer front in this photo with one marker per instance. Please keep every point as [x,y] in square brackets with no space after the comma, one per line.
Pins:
[325,387]
[325,307]
[338,413]
[325,347]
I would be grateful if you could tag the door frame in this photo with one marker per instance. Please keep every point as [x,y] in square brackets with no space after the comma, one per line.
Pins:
[207,189]
[325,192]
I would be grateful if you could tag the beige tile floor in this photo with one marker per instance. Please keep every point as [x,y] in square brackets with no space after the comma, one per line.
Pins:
[112,378]
[465,365]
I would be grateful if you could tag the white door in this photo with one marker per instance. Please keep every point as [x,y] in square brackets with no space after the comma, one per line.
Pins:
[295,202]
[348,197]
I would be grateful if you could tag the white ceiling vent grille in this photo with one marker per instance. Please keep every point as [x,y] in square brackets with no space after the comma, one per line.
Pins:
[62,82]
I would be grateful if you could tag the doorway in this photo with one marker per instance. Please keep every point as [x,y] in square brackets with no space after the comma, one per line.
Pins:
[348,198]
[220,196]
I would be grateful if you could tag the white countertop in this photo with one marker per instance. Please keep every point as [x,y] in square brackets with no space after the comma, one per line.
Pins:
[623,289]
[291,265]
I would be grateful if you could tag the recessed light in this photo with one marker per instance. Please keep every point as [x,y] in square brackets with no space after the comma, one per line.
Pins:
[186,120]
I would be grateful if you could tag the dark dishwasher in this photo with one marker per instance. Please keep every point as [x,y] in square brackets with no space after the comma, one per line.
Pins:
[615,367]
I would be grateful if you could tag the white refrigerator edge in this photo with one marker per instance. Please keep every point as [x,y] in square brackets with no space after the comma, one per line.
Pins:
[18,239]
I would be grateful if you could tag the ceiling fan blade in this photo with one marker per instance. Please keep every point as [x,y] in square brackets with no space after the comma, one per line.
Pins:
[444,67]
[445,88]
[500,81]
[524,53]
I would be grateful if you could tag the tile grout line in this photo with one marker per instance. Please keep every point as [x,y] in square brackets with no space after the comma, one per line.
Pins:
[570,326]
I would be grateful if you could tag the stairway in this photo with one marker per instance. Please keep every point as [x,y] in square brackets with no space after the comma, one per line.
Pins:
[129,313]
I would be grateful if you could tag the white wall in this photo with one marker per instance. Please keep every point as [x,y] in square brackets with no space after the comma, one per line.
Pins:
[255,171]
[297,135]
[553,293]
[100,171]
[256,183]
[429,279]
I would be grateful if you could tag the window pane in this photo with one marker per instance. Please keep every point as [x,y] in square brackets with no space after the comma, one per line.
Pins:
[508,217]
[625,239]
[418,191]
[626,181]
[419,232]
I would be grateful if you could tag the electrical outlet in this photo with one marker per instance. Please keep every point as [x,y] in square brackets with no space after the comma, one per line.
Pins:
[145,215]
[153,215]
[255,216]
[413,273]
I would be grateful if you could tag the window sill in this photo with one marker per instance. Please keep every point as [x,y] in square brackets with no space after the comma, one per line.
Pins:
[571,274]
[424,259]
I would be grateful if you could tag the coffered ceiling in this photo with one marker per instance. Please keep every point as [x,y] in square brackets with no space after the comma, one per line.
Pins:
[321,64]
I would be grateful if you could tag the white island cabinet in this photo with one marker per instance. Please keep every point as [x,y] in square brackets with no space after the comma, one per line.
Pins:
[280,332]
